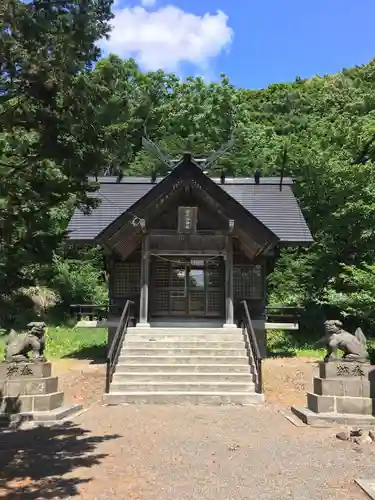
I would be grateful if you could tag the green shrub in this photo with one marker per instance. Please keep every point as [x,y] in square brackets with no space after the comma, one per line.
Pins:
[353,293]
[279,340]
[79,282]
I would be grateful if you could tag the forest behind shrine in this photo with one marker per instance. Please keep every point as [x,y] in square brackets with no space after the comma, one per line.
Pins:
[66,114]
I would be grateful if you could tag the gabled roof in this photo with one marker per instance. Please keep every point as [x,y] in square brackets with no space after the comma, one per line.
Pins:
[277,210]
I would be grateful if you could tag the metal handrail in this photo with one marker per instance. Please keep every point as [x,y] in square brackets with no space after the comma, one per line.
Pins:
[93,311]
[284,312]
[293,308]
[97,311]
[252,340]
[116,343]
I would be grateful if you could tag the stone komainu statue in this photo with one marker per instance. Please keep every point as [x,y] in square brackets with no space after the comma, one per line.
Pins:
[353,346]
[20,345]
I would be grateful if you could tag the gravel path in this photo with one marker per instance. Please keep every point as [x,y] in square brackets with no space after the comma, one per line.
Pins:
[182,453]
[188,452]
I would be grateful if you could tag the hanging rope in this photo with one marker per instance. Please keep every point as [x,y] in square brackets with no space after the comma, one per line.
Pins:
[185,264]
[179,262]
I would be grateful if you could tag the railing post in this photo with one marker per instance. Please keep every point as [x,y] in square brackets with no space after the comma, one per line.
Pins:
[145,266]
[254,346]
[116,344]
[229,309]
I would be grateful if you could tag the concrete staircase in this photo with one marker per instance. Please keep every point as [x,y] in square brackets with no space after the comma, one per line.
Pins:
[184,365]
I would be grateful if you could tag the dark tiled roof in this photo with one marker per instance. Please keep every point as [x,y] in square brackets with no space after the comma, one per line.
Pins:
[115,199]
[277,210]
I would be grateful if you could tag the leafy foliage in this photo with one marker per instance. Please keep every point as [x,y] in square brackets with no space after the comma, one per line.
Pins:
[353,292]
[63,118]
[49,137]
[42,299]
[78,282]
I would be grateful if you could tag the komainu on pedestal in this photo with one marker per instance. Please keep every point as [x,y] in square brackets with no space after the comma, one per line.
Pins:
[20,345]
[336,339]
[27,389]
[344,391]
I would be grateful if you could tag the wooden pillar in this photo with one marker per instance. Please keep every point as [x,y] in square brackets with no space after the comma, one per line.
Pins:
[229,309]
[145,269]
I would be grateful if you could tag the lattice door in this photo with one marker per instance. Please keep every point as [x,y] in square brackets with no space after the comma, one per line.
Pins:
[127,276]
[178,290]
[181,290]
[197,289]
[215,289]
[159,293]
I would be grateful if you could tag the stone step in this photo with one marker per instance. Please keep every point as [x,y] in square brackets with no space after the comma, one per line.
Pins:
[183,337]
[180,351]
[183,360]
[200,329]
[183,345]
[156,377]
[182,368]
[187,331]
[209,398]
[178,323]
[182,387]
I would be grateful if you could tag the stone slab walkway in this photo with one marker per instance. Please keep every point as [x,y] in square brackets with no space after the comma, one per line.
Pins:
[184,453]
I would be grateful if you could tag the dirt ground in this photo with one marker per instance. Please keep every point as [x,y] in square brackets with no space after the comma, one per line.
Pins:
[81,380]
[286,380]
[161,452]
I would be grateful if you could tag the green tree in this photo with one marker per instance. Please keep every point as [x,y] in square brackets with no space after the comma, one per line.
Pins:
[352,292]
[50,139]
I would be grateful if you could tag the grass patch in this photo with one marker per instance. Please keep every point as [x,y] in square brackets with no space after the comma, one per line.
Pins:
[310,352]
[303,352]
[65,342]
[283,343]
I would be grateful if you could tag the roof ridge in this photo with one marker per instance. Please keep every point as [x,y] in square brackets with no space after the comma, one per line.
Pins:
[265,181]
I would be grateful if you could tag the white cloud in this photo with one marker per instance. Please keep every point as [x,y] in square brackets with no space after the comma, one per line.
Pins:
[168,37]
[148,3]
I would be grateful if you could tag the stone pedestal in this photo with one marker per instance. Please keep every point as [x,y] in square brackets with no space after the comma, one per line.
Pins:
[344,393]
[29,392]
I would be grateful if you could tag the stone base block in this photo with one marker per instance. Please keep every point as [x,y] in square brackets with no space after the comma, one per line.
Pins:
[39,402]
[321,404]
[355,406]
[344,393]
[27,370]
[330,419]
[43,418]
[368,486]
[14,387]
[28,392]
[354,387]
[342,369]
[340,404]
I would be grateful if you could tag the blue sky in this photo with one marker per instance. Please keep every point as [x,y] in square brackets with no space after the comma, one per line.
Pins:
[255,43]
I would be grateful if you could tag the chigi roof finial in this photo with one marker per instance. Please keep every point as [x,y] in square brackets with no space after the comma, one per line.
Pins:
[257,175]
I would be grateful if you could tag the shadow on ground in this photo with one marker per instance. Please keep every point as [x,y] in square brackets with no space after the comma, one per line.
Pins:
[8,406]
[33,462]
[275,353]
[96,354]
